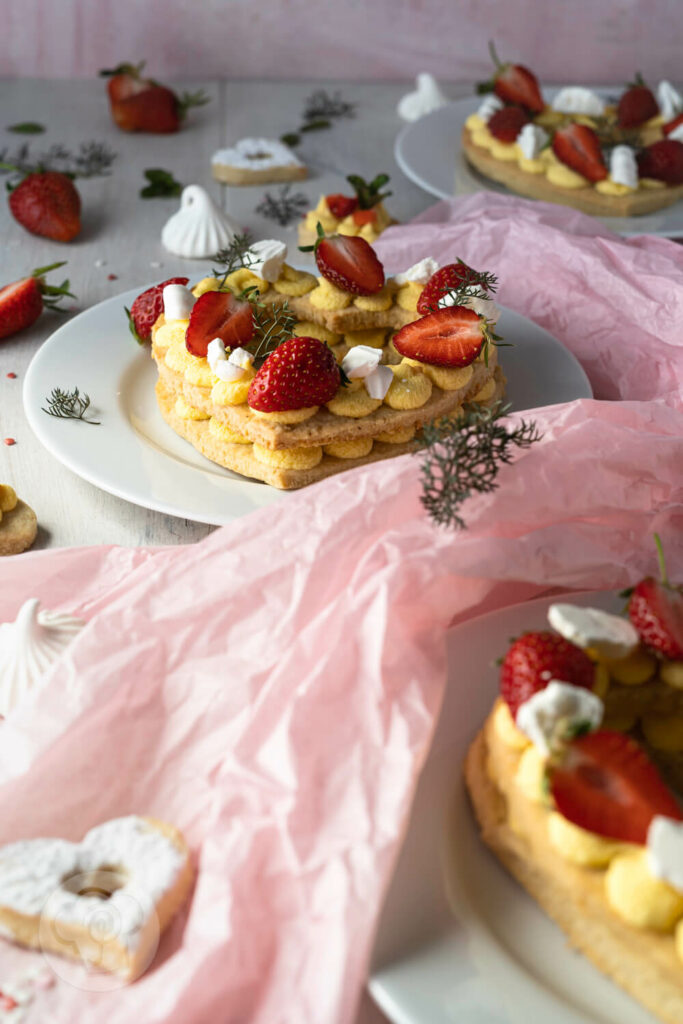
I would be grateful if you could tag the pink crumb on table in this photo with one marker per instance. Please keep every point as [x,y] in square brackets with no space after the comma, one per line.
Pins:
[12,376]
[9,441]
[112,277]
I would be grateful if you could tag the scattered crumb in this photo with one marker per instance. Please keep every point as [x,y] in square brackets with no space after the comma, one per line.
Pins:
[100,263]
[9,441]
[112,277]
[12,376]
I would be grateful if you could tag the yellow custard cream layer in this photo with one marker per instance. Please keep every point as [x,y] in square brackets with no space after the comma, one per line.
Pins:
[546,163]
[347,226]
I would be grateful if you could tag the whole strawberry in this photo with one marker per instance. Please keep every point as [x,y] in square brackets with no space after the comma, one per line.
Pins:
[47,203]
[147,309]
[637,104]
[663,161]
[142,105]
[656,610]
[514,83]
[536,658]
[22,302]
[348,262]
[300,373]
[506,124]
[447,279]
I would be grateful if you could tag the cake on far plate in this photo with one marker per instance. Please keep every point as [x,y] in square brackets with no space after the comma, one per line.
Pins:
[286,377]
[567,780]
[362,213]
[621,158]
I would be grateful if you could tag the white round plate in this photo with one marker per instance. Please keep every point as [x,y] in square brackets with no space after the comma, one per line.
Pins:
[459,942]
[135,455]
[428,152]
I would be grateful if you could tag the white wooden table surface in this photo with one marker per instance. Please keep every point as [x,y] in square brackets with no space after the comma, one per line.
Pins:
[121,235]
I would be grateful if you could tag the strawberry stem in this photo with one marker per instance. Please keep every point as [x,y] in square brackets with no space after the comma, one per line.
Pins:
[123,69]
[660,558]
[191,99]
[494,56]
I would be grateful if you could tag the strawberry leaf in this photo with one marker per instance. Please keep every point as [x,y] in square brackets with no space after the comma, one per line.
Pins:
[26,128]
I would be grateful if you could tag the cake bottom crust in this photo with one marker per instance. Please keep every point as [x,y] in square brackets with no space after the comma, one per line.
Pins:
[643,963]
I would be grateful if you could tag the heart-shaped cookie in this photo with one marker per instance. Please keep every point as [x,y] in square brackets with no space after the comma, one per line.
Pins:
[105,900]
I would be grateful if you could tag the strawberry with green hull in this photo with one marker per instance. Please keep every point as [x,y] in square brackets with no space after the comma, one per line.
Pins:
[348,262]
[606,784]
[637,105]
[300,373]
[143,105]
[147,309]
[655,608]
[514,83]
[577,146]
[22,302]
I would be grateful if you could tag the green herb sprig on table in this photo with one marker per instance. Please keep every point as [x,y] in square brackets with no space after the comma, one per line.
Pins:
[161,184]
[26,128]
[90,160]
[321,108]
[463,457]
[69,405]
[284,207]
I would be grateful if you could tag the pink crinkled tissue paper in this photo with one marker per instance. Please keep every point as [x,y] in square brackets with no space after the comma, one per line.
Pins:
[273,690]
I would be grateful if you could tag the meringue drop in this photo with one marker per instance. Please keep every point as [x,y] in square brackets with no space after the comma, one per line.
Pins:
[427,97]
[198,229]
[28,646]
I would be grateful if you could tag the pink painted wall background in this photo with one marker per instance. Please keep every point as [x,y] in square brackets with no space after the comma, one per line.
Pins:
[563,40]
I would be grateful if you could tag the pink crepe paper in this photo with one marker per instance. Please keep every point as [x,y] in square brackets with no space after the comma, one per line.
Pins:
[616,303]
[273,690]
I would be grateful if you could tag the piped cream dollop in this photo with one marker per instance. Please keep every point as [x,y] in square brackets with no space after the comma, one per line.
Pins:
[28,647]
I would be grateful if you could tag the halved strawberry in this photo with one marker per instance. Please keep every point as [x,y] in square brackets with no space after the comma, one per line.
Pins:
[506,124]
[671,126]
[450,337]
[656,610]
[606,784]
[22,302]
[514,83]
[341,206]
[442,281]
[147,309]
[637,105]
[219,315]
[537,657]
[301,372]
[578,147]
[348,262]
[662,161]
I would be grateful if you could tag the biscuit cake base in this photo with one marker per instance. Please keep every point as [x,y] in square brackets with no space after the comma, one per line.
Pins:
[644,963]
[231,175]
[240,458]
[587,199]
[351,318]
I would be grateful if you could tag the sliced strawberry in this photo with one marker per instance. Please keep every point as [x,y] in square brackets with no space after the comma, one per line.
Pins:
[341,206]
[514,83]
[147,309]
[47,204]
[536,658]
[362,217]
[656,610]
[450,337]
[219,315]
[637,105]
[350,263]
[22,302]
[671,126]
[606,784]
[578,147]
[662,161]
[441,282]
[506,124]
[300,373]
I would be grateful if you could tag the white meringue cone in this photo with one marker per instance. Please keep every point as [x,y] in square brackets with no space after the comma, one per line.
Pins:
[198,229]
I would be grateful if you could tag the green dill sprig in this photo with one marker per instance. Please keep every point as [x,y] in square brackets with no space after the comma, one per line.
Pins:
[91,159]
[272,325]
[283,207]
[234,256]
[321,108]
[463,457]
[69,405]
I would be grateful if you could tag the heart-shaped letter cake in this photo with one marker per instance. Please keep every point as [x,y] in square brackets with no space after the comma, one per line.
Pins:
[105,900]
